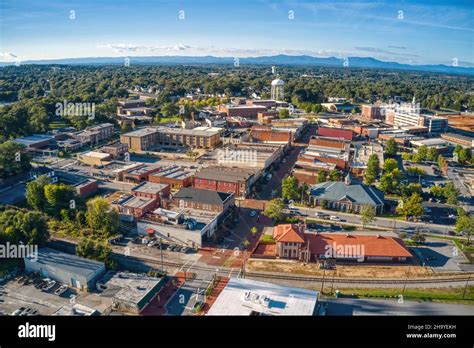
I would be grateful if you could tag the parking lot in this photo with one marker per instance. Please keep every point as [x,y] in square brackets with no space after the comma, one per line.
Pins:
[15,295]
[440,255]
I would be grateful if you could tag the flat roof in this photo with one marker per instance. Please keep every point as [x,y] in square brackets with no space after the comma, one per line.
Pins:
[69,263]
[173,172]
[136,202]
[96,154]
[149,187]
[283,300]
[34,139]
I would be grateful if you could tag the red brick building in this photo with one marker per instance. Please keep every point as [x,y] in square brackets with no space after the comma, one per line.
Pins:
[189,197]
[345,134]
[153,191]
[269,134]
[174,176]
[372,112]
[238,182]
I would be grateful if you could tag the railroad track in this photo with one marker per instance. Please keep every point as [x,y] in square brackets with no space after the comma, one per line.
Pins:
[261,275]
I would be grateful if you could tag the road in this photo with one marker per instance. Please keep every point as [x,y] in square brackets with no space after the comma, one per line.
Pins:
[465,198]
[378,222]
[357,306]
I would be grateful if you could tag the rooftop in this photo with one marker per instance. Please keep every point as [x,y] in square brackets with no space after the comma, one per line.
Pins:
[356,192]
[173,172]
[245,297]
[202,196]
[68,263]
[373,245]
[224,174]
[149,187]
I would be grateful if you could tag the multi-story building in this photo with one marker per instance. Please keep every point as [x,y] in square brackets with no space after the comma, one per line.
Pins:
[236,181]
[436,124]
[152,190]
[269,134]
[338,133]
[117,150]
[214,201]
[174,176]
[329,150]
[94,134]
[408,114]
[372,112]
[249,111]
[147,138]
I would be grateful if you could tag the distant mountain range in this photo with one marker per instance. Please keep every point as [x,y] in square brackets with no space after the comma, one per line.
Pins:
[302,60]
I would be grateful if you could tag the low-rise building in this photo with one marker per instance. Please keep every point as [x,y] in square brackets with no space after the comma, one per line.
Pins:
[189,197]
[117,150]
[347,196]
[247,111]
[174,176]
[94,158]
[221,179]
[130,292]
[338,133]
[254,298]
[71,270]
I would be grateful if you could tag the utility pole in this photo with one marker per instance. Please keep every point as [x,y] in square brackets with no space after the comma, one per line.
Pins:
[161,252]
[406,280]
[322,283]
[465,288]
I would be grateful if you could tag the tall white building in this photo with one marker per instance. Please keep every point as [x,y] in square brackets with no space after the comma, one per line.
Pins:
[408,114]
[278,90]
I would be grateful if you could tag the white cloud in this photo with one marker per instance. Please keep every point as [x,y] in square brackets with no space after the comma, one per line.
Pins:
[8,56]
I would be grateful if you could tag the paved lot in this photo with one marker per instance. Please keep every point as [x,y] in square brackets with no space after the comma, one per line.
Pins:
[349,306]
[16,295]
[440,255]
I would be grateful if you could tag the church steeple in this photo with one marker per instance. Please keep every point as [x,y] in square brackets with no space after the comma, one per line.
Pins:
[348,180]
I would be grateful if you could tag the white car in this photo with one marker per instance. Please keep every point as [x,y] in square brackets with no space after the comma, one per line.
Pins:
[334,218]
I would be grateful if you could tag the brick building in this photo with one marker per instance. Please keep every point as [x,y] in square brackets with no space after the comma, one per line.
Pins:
[174,176]
[345,134]
[213,201]
[236,181]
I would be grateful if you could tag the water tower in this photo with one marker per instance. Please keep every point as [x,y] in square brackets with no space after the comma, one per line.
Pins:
[277,91]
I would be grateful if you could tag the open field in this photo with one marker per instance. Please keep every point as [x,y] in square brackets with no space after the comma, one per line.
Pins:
[343,271]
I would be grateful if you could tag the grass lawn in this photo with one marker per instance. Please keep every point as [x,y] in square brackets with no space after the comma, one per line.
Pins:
[169,119]
[393,216]
[452,295]
[9,264]
[57,125]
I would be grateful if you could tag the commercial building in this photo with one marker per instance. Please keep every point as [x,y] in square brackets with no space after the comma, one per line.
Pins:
[148,138]
[254,298]
[274,135]
[130,292]
[94,158]
[329,150]
[236,181]
[289,239]
[347,196]
[131,207]
[436,124]
[459,139]
[373,112]
[71,270]
[254,156]
[95,134]
[356,247]
[174,176]
[189,197]
[406,114]
[247,111]
[151,190]
[338,133]
[116,151]
[139,173]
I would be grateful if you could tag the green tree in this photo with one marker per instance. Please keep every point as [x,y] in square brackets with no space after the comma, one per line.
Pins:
[465,225]
[391,147]
[13,160]
[464,156]
[95,250]
[367,214]
[334,175]
[411,206]
[389,182]
[373,169]
[35,193]
[322,176]
[59,197]
[390,165]
[274,209]
[422,153]
[283,113]
[432,154]
[442,164]
[100,216]
[289,188]
[419,238]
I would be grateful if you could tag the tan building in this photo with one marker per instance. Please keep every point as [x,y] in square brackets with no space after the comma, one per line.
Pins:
[148,138]
[94,159]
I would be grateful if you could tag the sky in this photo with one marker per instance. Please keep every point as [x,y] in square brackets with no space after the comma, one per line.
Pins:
[413,32]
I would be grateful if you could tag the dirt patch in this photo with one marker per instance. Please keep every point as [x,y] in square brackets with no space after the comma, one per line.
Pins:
[343,271]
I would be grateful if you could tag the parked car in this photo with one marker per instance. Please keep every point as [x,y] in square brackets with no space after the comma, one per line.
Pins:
[19,311]
[61,290]
[152,243]
[49,286]
[184,249]
[334,218]
[171,247]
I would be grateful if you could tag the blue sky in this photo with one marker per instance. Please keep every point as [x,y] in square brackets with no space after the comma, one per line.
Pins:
[416,32]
